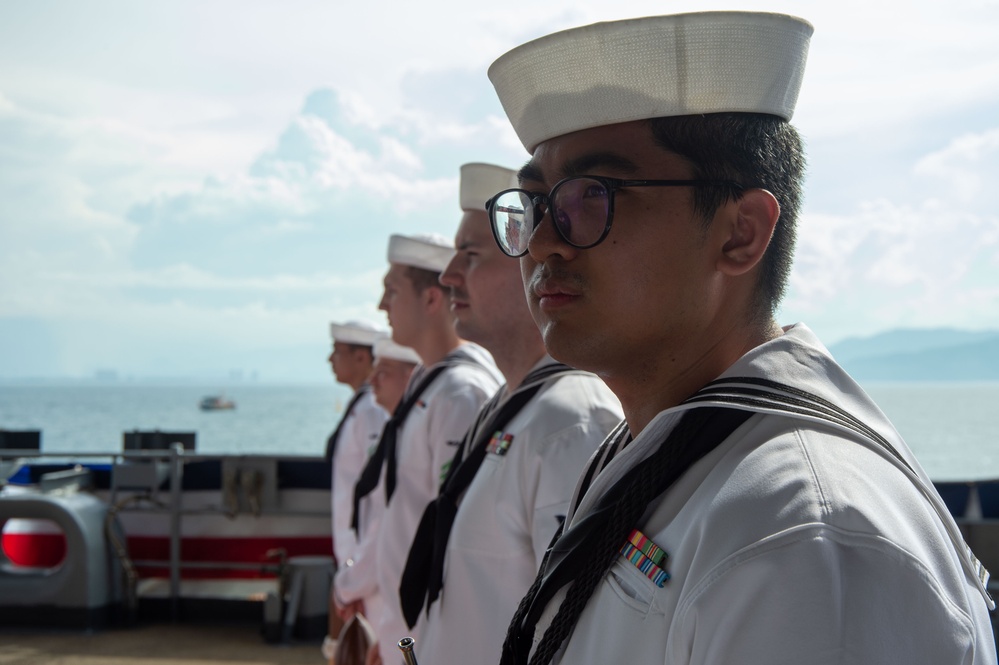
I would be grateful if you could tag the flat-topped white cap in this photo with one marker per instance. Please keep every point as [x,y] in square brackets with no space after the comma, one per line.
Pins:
[357,332]
[429,251]
[385,348]
[480,182]
[681,64]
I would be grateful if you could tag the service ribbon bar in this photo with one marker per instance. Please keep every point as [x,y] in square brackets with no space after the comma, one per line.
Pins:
[499,443]
[646,556]
[647,547]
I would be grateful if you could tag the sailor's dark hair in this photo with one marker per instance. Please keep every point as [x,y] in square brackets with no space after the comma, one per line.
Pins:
[351,346]
[423,279]
[755,150]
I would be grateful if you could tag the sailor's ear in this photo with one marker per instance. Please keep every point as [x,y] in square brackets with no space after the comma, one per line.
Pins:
[748,225]
[434,298]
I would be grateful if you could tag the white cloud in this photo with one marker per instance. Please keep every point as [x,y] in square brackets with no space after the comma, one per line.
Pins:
[267,256]
[889,265]
[54,207]
[315,158]
[160,184]
[968,167]
[180,278]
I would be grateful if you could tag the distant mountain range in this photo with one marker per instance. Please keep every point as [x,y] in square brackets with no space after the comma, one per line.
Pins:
[940,354]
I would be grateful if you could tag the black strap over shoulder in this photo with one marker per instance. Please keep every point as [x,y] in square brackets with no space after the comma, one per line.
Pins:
[573,555]
[385,452]
[422,578]
[781,397]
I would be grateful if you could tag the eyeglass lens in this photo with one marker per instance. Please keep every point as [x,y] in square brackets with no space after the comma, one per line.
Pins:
[513,221]
[579,208]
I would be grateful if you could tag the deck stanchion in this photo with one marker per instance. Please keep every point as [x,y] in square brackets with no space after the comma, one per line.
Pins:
[176,483]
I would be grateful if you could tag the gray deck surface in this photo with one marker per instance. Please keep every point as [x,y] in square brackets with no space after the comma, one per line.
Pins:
[164,644]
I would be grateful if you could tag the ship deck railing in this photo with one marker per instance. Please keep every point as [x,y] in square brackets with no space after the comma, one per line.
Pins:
[162,476]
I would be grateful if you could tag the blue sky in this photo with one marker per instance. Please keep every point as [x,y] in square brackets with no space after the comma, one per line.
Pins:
[196,189]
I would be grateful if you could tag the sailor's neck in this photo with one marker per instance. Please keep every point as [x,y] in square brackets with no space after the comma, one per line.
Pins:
[432,352]
[653,384]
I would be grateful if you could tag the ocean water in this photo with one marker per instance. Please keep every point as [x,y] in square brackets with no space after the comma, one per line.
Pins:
[268,419]
[949,426]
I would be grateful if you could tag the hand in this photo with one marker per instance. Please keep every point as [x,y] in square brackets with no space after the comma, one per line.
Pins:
[347,612]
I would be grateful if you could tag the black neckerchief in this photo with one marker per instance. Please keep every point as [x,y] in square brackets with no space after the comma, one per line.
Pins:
[422,577]
[385,452]
[334,439]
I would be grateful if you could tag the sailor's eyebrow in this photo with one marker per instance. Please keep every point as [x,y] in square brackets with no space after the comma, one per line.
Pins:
[471,243]
[582,165]
[604,161]
[531,172]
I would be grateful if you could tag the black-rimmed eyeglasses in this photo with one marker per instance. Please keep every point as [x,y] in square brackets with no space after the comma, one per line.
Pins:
[582,208]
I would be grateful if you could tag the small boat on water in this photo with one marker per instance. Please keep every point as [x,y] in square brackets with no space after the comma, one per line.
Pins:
[216,403]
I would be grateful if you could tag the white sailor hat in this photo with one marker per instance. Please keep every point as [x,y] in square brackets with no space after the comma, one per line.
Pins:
[385,348]
[480,182]
[429,251]
[682,64]
[363,333]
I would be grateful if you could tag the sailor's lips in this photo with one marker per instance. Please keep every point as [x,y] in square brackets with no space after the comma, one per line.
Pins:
[552,296]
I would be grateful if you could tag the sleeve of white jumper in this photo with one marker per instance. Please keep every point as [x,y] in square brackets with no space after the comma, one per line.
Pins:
[357,578]
[823,596]
[357,439]
[448,419]
[556,434]
[555,472]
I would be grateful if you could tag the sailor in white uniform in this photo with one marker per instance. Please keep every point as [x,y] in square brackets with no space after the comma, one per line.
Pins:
[393,365]
[756,507]
[519,464]
[358,430]
[442,400]
[359,427]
